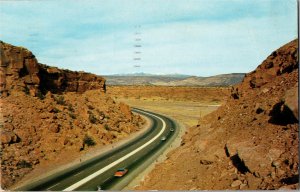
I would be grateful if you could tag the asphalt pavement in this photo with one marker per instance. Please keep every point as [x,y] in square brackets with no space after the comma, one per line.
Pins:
[99,171]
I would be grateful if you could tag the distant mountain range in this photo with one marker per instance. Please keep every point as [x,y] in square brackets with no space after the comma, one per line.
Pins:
[174,79]
[176,75]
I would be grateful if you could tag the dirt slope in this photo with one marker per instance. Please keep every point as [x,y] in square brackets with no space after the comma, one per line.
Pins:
[49,116]
[251,142]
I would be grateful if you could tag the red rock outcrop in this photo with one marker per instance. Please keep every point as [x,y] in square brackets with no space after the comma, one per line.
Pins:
[20,70]
[49,116]
[251,142]
[58,80]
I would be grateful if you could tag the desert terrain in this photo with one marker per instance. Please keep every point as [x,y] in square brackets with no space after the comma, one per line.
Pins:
[184,104]
[149,95]
[240,137]
[50,117]
[250,142]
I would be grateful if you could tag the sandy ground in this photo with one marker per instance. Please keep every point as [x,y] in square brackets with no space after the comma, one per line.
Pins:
[185,112]
[47,170]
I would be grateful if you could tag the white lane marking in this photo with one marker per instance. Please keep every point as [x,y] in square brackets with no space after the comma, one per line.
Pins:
[78,173]
[97,173]
[53,186]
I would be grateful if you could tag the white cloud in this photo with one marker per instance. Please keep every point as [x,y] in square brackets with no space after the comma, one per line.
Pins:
[194,37]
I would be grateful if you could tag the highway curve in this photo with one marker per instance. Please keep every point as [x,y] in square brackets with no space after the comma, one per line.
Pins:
[99,171]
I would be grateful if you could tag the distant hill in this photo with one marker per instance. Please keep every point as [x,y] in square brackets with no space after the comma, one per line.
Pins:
[174,79]
[176,75]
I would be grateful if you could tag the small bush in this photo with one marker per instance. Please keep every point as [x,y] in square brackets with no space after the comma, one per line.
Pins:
[60,100]
[70,108]
[92,118]
[106,127]
[87,140]
[55,110]
[40,95]
[72,115]
[26,90]
[23,164]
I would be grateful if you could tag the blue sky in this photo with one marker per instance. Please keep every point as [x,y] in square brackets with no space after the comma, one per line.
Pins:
[195,37]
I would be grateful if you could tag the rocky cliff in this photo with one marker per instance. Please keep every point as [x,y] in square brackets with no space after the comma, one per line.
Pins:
[251,142]
[20,70]
[49,117]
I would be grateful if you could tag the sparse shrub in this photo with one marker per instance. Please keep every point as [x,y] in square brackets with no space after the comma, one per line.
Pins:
[23,164]
[87,140]
[92,118]
[72,115]
[106,127]
[40,95]
[55,110]
[60,100]
[90,107]
[26,90]
[70,108]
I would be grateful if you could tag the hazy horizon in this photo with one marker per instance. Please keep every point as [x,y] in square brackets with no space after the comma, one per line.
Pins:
[163,74]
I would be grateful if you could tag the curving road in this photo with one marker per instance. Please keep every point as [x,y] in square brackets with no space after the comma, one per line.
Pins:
[99,171]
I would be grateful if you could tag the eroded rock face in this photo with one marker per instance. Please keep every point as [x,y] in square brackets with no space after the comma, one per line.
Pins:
[262,120]
[47,113]
[280,63]
[252,140]
[20,70]
[291,100]
[58,80]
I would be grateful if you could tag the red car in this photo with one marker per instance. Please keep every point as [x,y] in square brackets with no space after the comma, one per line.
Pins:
[121,172]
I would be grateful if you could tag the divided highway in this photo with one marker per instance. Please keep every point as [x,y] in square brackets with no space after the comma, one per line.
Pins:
[99,171]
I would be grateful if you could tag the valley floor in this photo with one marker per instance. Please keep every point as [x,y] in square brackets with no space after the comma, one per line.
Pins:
[180,107]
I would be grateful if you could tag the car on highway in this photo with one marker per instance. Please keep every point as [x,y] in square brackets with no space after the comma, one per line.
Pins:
[121,172]
[163,138]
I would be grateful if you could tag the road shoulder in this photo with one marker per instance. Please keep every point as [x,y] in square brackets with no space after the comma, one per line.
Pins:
[44,172]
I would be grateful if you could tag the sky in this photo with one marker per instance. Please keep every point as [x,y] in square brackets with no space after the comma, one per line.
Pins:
[194,37]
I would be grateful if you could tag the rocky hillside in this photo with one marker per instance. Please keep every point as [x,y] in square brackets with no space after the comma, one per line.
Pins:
[176,80]
[251,142]
[50,116]
[20,70]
